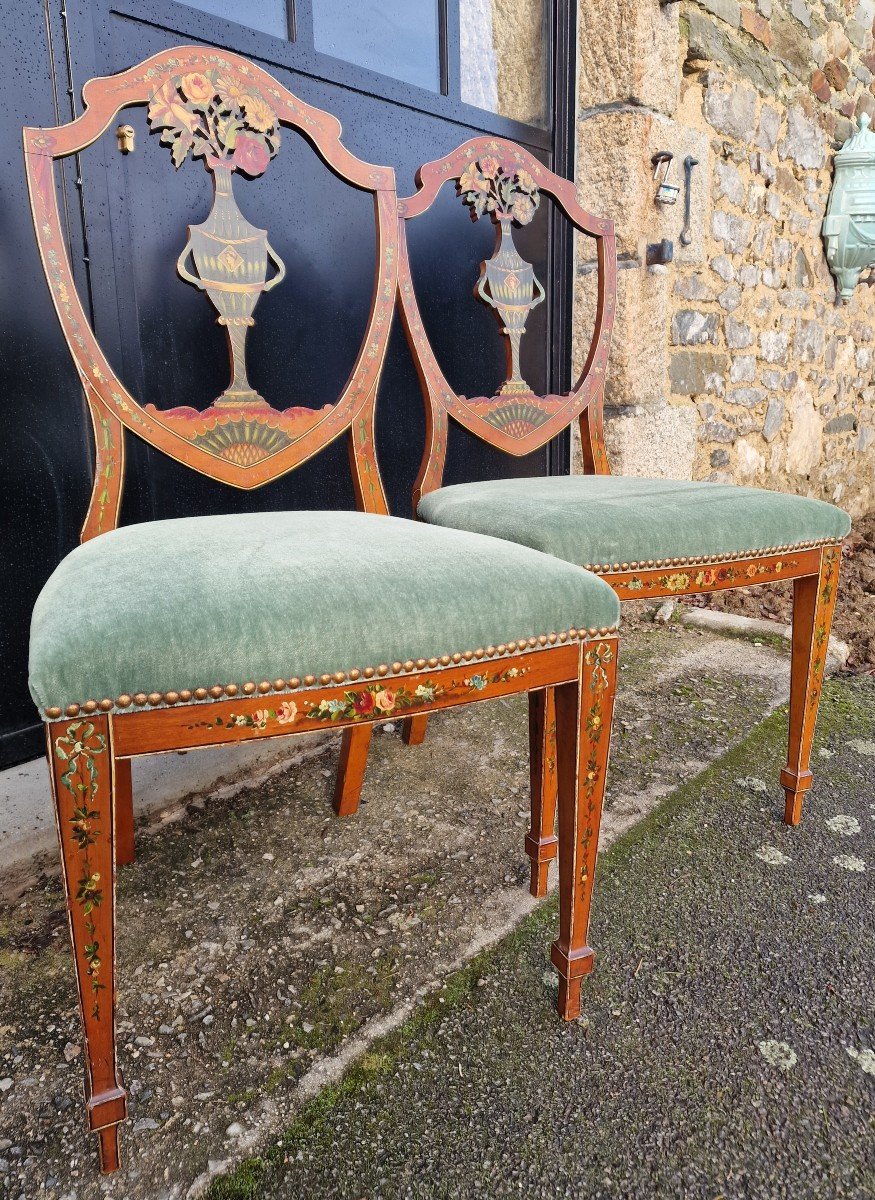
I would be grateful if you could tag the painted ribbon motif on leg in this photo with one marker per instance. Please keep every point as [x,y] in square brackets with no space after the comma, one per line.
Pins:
[825,603]
[78,748]
[597,658]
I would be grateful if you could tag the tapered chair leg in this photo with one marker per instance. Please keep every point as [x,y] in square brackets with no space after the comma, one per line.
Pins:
[583,738]
[351,768]
[81,767]
[814,598]
[541,840]
[124,813]
[413,730]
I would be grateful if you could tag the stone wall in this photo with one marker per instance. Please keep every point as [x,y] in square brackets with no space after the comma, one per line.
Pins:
[733,362]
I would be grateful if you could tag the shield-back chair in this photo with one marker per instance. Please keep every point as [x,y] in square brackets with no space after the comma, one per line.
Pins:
[207,631]
[647,538]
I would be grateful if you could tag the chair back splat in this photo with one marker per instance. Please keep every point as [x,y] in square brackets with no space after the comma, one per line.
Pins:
[218,108]
[499,179]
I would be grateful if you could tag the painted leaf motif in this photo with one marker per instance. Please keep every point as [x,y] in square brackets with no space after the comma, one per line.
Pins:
[490,186]
[181,146]
[167,110]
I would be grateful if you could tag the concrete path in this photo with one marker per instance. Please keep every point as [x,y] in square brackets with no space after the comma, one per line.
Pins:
[263,943]
[727,1044]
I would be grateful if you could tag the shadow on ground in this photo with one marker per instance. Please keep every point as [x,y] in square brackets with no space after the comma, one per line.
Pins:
[263,943]
[727,1045]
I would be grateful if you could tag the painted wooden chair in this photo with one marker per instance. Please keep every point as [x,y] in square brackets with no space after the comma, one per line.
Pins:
[646,537]
[210,631]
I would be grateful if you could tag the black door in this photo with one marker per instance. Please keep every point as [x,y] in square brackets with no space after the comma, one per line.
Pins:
[409,80]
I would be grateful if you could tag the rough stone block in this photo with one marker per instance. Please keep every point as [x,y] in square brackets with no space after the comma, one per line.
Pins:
[727,10]
[731,109]
[614,173]
[717,431]
[801,12]
[638,366]
[791,46]
[809,340]
[728,179]
[738,335]
[805,440]
[774,346]
[844,423]
[723,267]
[820,87]
[837,73]
[627,53]
[757,26]
[745,397]
[694,373]
[693,287]
[857,33]
[774,418]
[769,128]
[749,463]
[652,441]
[805,141]
[709,42]
[743,369]
[691,328]
[733,231]
[730,298]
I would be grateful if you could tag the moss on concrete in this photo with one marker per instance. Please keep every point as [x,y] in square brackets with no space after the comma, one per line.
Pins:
[690,849]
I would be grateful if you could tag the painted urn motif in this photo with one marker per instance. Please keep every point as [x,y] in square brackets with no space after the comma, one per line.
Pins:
[849,225]
[231,257]
[507,282]
[232,128]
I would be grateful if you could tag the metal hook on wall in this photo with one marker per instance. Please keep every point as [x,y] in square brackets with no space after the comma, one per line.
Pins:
[687,232]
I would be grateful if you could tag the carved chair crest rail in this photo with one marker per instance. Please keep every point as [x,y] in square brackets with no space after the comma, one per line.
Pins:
[646,537]
[158,659]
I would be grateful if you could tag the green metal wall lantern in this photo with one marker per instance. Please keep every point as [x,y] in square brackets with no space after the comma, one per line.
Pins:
[849,225]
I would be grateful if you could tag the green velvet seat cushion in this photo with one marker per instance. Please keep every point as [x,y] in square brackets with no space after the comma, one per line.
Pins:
[202,601]
[598,519]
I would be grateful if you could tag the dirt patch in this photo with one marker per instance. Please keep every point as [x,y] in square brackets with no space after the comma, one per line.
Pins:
[854,620]
[259,937]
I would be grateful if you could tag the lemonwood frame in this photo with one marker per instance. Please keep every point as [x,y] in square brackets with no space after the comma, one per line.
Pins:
[90,743]
[813,566]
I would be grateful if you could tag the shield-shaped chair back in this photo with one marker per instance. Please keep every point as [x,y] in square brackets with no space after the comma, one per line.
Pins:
[217,109]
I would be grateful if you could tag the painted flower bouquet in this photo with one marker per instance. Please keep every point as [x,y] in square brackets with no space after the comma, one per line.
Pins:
[499,188]
[214,116]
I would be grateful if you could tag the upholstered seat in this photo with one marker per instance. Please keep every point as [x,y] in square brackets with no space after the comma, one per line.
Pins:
[208,601]
[604,520]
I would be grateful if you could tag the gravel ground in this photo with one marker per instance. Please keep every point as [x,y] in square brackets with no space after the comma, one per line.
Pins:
[259,936]
[727,1046]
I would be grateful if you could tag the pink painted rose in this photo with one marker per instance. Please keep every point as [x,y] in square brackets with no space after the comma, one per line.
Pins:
[385,700]
[197,88]
[250,154]
[287,712]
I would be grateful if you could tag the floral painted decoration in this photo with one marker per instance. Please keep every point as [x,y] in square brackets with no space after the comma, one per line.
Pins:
[373,702]
[597,658]
[499,188]
[218,118]
[77,748]
[682,581]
